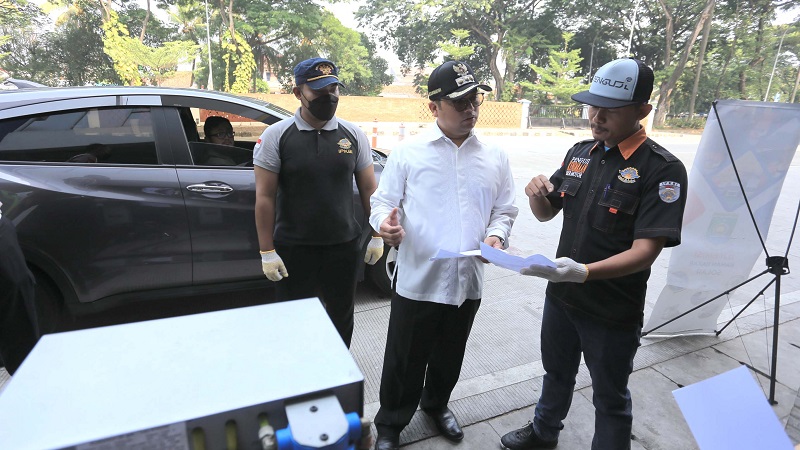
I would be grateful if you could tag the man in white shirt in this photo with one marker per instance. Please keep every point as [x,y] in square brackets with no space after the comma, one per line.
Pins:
[444,190]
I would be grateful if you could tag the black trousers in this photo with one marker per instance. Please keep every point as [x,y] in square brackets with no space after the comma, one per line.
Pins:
[18,329]
[425,344]
[324,271]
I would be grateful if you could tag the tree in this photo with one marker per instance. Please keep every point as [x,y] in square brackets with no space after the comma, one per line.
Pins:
[454,48]
[700,57]
[16,15]
[668,85]
[71,54]
[77,49]
[414,29]
[158,63]
[238,51]
[559,78]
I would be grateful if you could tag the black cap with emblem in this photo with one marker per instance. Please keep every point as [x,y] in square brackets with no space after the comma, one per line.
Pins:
[453,80]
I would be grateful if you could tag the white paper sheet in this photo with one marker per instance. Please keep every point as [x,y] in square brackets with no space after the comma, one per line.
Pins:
[729,412]
[444,254]
[498,258]
[513,262]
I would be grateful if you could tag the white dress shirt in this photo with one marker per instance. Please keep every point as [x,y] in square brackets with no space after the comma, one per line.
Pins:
[450,198]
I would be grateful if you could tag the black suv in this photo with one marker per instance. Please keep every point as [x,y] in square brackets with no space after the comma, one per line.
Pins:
[150,218]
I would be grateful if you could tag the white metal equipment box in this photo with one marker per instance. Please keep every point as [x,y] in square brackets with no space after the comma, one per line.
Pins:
[168,383]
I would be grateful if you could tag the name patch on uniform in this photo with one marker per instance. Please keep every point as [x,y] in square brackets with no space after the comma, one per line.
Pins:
[577,167]
[345,146]
[669,191]
[628,175]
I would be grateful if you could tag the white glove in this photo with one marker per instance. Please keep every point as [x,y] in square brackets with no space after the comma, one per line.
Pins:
[374,250]
[273,266]
[565,271]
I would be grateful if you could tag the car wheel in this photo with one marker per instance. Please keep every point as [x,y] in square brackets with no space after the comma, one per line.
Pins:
[380,274]
[49,303]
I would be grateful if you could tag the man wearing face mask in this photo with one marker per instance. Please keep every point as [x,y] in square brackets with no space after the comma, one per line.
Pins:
[306,223]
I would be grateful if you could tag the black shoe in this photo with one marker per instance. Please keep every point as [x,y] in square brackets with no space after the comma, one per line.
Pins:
[387,443]
[525,439]
[446,423]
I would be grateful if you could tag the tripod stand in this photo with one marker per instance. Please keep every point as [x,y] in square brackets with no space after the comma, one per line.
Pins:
[776,265]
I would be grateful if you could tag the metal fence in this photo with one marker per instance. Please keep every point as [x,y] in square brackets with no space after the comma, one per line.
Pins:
[563,116]
[492,114]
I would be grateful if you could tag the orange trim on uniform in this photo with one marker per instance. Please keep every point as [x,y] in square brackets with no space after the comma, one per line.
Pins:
[632,142]
[629,145]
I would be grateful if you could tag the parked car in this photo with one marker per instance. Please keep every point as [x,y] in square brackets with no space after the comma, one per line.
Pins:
[149,219]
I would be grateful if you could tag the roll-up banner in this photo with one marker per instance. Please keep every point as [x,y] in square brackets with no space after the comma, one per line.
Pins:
[719,243]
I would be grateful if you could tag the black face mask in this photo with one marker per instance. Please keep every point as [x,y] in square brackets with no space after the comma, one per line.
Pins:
[323,107]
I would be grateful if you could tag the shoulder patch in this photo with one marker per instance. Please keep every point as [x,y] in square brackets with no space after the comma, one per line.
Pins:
[669,191]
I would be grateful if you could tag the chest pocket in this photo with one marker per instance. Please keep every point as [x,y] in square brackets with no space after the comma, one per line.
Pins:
[568,190]
[615,211]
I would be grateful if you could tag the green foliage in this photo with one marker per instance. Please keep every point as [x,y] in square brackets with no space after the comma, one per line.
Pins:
[559,79]
[416,29]
[694,123]
[71,54]
[159,63]
[136,62]
[15,16]
[157,33]
[121,48]
[518,43]
[238,52]
[261,86]
[377,78]
[453,47]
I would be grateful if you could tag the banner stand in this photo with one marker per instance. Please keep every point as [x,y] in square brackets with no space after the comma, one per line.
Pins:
[776,265]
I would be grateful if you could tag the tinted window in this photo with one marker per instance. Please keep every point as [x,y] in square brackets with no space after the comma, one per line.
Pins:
[109,135]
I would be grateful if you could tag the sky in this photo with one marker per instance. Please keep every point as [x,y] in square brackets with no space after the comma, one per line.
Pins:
[345,12]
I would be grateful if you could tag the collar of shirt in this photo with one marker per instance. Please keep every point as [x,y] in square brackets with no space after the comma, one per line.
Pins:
[436,133]
[302,125]
[628,146]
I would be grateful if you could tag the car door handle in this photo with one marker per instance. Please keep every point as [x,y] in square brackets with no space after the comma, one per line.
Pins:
[210,188]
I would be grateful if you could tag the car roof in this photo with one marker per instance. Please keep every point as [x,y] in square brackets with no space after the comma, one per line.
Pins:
[170,96]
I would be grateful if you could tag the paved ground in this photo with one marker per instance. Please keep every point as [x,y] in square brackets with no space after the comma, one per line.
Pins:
[501,377]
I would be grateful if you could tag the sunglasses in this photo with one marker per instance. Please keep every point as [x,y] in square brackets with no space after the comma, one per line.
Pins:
[462,104]
[223,134]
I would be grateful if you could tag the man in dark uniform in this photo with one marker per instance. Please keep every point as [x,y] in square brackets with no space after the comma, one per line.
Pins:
[305,219]
[623,198]
[18,328]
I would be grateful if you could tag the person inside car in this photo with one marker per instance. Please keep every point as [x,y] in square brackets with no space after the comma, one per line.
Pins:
[94,153]
[218,130]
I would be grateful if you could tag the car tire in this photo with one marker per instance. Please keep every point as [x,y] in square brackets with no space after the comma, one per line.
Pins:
[380,273]
[50,310]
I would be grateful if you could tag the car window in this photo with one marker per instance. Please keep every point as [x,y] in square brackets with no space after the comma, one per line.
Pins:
[205,152]
[96,135]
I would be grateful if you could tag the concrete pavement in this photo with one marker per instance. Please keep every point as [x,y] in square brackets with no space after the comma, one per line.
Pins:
[501,377]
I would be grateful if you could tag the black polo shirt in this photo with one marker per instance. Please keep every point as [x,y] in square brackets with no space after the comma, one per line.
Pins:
[314,202]
[609,199]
